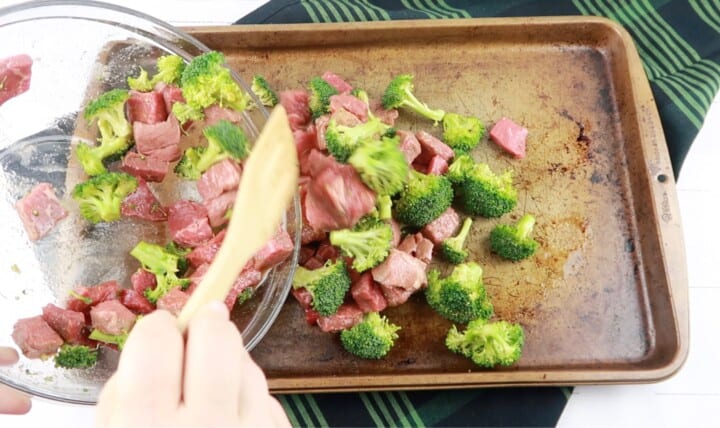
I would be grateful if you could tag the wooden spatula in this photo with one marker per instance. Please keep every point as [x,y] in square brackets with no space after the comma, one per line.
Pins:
[269,181]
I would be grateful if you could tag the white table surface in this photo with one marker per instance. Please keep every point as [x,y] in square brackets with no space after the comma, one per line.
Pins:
[689,399]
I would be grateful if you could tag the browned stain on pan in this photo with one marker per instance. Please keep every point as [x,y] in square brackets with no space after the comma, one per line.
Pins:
[595,296]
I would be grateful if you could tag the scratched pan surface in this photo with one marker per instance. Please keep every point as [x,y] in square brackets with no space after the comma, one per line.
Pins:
[605,298]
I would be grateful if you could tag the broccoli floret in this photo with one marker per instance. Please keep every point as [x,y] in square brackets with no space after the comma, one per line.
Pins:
[488,344]
[383,207]
[343,140]
[205,81]
[372,338]
[261,88]
[225,140]
[368,243]
[163,264]
[381,164]
[513,242]
[112,339]
[183,263]
[479,191]
[461,296]
[245,295]
[100,196]
[399,93]
[142,82]
[327,285]
[462,133]
[76,357]
[109,111]
[423,199]
[453,249]
[320,93]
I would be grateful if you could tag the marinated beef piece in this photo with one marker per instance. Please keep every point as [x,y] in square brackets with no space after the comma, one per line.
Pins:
[35,337]
[143,204]
[442,227]
[399,276]
[40,211]
[68,324]
[160,140]
[15,75]
[112,317]
[146,107]
[510,136]
[148,168]
[188,223]
[367,294]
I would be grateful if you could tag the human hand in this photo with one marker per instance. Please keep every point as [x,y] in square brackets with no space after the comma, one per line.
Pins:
[210,380]
[12,402]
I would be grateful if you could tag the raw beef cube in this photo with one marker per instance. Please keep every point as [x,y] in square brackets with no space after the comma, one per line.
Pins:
[215,113]
[347,316]
[336,82]
[205,253]
[442,227]
[437,166]
[170,93]
[510,136]
[275,251]
[409,145]
[146,107]
[387,117]
[141,280]
[69,324]
[91,296]
[143,204]
[112,317]
[173,301]
[40,211]
[15,76]
[367,294]
[136,302]
[296,103]
[218,179]
[146,167]
[160,140]
[352,104]
[432,147]
[399,276]
[248,278]
[218,208]
[188,223]
[417,246]
[35,337]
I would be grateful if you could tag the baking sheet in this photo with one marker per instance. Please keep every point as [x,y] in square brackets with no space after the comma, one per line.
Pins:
[605,298]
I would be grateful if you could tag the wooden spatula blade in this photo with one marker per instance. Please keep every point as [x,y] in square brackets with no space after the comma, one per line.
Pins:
[268,183]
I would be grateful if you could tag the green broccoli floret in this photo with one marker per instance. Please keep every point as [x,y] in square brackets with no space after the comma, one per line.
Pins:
[205,81]
[462,133]
[100,196]
[112,339]
[372,338]
[381,164]
[76,357]
[479,191]
[245,295]
[225,140]
[343,140]
[142,82]
[261,88]
[488,344]
[327,285]
[453,249]
[513,242]
[368,243]
[383,206]
[320,93]
[423,199]
[399,93]
[461,296]
[163,264]
[108,110]
[183,263]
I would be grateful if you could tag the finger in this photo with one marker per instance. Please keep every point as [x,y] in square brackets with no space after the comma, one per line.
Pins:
[278,415]
[149,374]
[213,362]
[8,356]
[106,403]
[13,402]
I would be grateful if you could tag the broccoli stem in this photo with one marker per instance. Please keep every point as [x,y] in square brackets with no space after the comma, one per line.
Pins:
[525,225]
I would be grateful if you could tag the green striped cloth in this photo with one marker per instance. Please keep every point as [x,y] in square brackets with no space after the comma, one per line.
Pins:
[679,43]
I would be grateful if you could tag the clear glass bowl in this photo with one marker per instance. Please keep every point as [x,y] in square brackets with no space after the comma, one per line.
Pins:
[77,45]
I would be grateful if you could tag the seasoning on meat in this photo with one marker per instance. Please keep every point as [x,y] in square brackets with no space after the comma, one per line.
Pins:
[40,210]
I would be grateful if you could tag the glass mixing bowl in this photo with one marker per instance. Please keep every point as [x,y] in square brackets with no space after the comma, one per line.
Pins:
[79,47]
